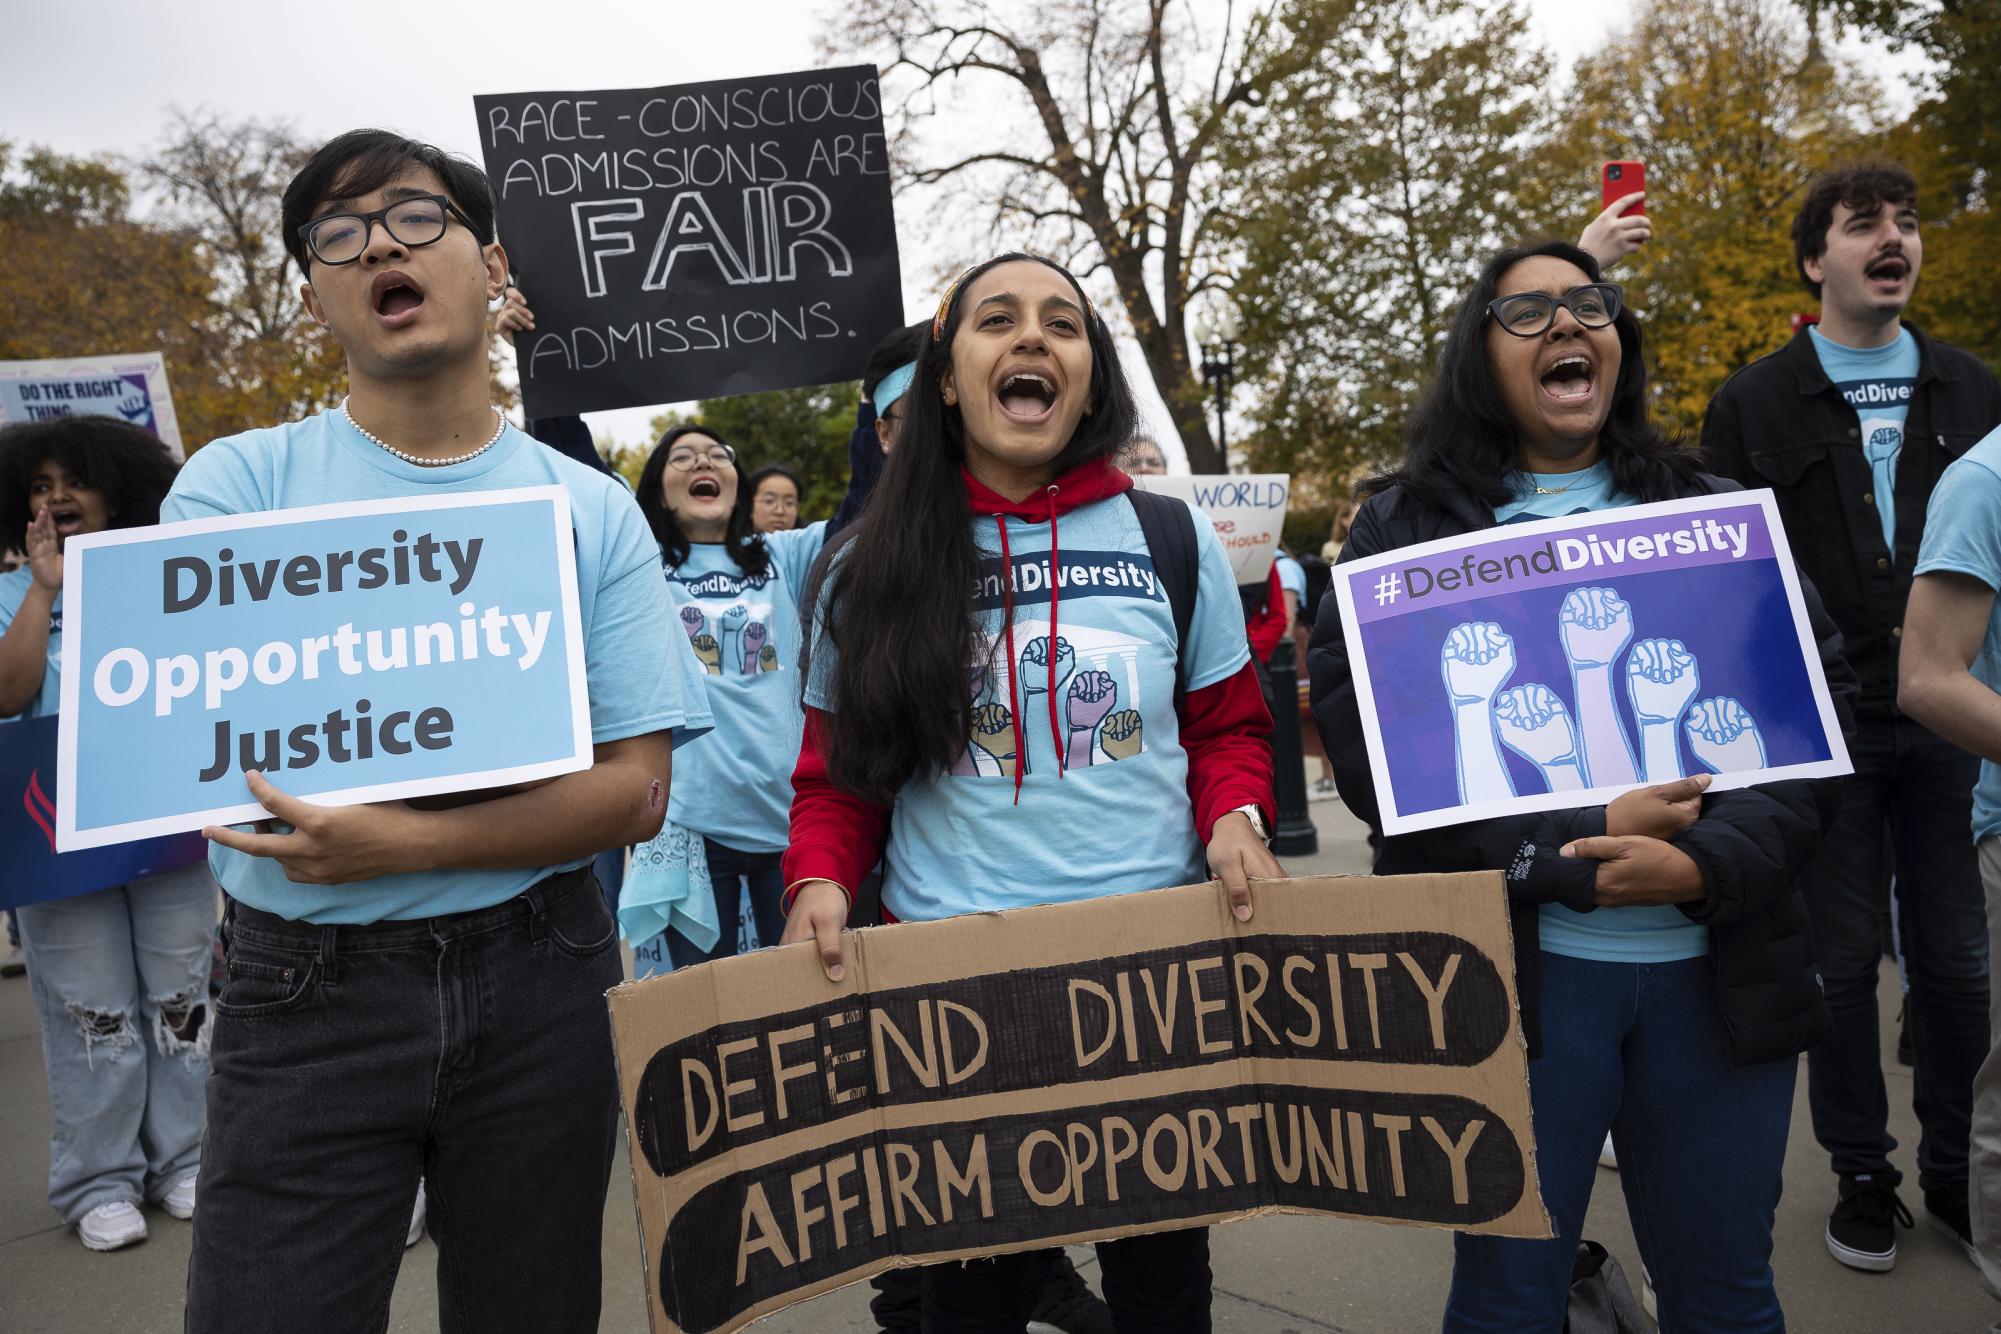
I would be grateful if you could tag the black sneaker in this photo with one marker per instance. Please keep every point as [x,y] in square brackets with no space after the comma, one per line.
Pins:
[1862,1230]
[1067,1306]
[1945,1209]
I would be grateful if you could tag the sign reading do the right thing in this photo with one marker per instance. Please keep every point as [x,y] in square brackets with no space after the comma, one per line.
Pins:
[695,241]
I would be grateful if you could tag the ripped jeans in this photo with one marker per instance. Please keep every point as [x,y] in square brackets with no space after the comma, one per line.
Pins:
[120,978]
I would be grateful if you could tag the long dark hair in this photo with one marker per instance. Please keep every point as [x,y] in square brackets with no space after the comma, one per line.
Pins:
[742,540]
[1462,440]
[898,593]
[128,465]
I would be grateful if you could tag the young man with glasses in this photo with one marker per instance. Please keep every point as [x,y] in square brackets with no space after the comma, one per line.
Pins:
[1851,425]
[417,989]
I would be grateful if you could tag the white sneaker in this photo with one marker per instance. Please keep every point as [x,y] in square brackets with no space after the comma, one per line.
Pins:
[11,962]
[416,1233]
[180,1201]
[1606,1157]
[111,1226]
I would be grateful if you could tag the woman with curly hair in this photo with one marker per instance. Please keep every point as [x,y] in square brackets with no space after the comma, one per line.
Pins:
[119,975]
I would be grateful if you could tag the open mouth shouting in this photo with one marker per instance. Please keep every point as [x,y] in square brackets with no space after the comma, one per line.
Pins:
[1027,396]
[705,487]
[395,297]
[1888,270]
[67,518]
[1570,379]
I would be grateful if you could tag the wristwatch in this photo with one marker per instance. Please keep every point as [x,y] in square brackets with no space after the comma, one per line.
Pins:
[1257,822]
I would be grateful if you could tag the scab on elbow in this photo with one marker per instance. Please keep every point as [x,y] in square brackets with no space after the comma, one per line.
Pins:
[652,812]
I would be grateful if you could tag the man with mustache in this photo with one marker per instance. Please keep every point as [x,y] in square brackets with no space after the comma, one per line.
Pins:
[1851,424]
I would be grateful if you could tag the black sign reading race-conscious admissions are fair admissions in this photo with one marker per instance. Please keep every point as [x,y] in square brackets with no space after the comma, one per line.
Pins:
[695,241]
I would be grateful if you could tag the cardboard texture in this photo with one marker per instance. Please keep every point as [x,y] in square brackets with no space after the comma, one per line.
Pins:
[1016,1080]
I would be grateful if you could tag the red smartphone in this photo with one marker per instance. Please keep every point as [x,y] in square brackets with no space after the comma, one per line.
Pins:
[1622,179]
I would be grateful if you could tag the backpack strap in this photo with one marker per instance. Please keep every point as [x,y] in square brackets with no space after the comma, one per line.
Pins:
[1169,530]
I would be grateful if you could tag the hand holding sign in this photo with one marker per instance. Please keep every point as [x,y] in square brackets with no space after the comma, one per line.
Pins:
[329,845]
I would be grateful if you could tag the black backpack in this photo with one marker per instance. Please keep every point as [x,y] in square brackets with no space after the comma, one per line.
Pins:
[1169,530]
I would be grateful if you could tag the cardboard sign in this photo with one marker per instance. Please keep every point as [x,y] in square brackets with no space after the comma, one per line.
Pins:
[1539,666]
[31,870]
[365,651]
[131,388]
[1024,1079]
[1248,511]
[696,241]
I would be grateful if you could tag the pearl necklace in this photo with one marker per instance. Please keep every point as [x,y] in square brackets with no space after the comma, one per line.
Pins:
[499,427]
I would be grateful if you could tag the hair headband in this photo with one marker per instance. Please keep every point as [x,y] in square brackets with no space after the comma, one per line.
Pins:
[894,386]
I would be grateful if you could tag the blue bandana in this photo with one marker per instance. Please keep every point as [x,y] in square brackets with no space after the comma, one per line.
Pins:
[894,386]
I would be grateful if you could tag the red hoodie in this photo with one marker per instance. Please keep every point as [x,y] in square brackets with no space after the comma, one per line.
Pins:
[1225,728]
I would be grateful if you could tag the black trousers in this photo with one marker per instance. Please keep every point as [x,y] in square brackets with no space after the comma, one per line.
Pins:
[472,1051]
[1158,1283]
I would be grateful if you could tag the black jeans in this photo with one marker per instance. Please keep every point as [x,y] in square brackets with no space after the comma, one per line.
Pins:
[1158,1283]
[728,868]
[1918,788]
[473,1051]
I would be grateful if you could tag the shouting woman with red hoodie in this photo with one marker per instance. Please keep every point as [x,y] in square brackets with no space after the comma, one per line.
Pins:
[995,661]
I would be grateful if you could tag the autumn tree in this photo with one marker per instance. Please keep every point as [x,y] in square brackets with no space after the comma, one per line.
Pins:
[84,277]
[1717,98]
[1377,174]
[1094,129]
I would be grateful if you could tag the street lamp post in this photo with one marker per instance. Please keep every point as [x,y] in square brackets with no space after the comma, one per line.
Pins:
[1218,339]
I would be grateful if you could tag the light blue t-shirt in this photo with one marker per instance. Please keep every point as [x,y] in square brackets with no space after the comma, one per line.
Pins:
[1291,576]
[1657,933]
[1963,536]
[1877,382]
[735,785]
[1118,819]
[14,587]
[642,676]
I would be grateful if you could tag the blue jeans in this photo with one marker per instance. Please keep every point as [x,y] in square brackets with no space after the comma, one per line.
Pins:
[728,868]
[120,978]
[1920,787]
[1638,1049]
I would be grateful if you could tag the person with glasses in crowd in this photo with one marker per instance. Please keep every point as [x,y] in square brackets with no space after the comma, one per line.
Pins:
[774,499]
[416,989]
[1663,963]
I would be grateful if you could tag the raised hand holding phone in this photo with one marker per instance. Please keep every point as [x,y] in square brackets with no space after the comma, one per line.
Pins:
[1622,227]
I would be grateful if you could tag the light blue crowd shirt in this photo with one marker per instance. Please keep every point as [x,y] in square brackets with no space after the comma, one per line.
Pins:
[735,785]
[1877,382]
[642,678]
[1963,536]
[14,586]
[1117,818]
[1657,933]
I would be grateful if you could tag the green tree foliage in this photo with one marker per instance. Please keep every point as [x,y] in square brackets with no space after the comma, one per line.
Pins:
[1372,182]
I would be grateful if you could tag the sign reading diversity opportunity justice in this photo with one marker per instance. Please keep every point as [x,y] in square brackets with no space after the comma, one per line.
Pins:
[1024,1079]
[366,651]
[696,241]
[1539,666]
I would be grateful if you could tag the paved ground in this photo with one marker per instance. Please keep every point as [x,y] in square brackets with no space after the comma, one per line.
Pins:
[1273,1275]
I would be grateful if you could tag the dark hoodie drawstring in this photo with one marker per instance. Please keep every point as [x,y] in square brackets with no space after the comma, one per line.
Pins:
[1055,585]
[1007,619]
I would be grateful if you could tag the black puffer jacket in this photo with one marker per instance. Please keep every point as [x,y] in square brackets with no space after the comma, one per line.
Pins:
[1750,843]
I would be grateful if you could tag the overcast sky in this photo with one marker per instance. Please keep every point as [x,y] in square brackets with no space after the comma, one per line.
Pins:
[93,77]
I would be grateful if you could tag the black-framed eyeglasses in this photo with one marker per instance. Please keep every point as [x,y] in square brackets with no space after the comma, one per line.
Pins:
[1529,314]
[339,238]
[684,460]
